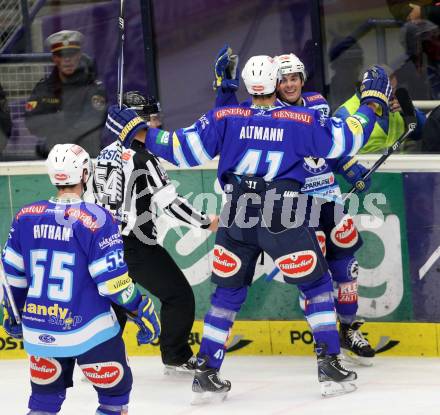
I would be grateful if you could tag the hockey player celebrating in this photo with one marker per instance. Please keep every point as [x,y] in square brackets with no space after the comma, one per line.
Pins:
[147,191]
[64,263]
[261,152]
[318,180]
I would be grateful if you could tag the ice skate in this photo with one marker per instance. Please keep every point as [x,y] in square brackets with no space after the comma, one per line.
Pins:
[207,385]
[185,369]
[355,348]
[333,377]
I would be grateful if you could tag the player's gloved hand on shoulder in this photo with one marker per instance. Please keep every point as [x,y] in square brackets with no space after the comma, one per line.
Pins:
[226,70]
[9,324]
[147,321]
[353,171]
[376,88]
[124,123]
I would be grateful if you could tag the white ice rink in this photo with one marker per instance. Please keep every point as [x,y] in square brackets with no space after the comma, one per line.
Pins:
[260,385]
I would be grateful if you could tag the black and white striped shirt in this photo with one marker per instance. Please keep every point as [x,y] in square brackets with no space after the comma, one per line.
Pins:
[147,191]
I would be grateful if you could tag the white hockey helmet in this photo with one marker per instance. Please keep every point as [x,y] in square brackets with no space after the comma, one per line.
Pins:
[66,164]
[260,75]
[290,63]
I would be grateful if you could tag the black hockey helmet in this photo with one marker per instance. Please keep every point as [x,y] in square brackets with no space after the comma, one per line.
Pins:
[144,106]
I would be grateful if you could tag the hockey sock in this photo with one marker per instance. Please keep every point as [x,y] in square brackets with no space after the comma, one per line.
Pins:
[320,312]
[345,289]
[225,303]
[46,403]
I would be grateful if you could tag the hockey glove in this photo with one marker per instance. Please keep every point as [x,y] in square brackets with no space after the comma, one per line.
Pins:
[353,172]
[147,321]
[376,87]
[124,123]
[226,70]
[9,324]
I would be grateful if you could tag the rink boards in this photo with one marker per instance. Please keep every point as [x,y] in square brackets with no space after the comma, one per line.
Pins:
[290,338]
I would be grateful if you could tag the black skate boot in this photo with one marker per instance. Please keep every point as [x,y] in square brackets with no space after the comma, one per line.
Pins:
[355,348]
[333,377]
[207,385]
[187,368]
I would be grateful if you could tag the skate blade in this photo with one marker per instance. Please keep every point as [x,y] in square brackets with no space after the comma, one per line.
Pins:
[330,388]
[204,398]
[176,373]
[350,357]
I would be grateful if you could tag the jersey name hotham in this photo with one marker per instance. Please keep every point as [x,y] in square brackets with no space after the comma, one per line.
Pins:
[57,233]
[261,133]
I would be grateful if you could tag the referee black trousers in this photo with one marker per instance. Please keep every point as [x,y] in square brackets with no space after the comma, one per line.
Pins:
[152,267]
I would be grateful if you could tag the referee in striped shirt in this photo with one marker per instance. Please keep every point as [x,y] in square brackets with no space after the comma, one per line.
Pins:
[148,189]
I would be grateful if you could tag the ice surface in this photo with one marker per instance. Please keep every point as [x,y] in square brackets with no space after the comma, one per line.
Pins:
[260,385]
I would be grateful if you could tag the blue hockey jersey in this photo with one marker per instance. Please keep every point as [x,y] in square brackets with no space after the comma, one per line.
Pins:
[319,178]
[265,142]
[64,262]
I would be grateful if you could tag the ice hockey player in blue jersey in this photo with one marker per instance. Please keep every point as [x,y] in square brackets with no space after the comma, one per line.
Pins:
[64,263]
[261,150]
[339,238]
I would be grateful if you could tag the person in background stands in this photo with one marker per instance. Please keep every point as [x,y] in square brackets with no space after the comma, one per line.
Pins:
[68,106]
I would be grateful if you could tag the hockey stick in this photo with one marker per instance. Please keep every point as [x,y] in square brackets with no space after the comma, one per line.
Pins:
[5,284]
[409,116]
[120,93]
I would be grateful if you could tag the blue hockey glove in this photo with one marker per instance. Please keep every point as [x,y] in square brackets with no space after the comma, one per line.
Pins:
[353,172]
[147,321]
[124,123]
[226,70]
[376,87]
[10,325]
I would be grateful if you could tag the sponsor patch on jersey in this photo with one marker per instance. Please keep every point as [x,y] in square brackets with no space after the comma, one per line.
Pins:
[313,98]
[118,284]
[354,125]
[30,105]
[345,234]
[318,182]
[163,138]
[225,262]
[44,370]
[85,218]
[110,241]
[347,292]
[232,112]
[297,264]
[127,155]
[103,375]
[320,236]
[315,165]
[301,117]
[31,210]
[98,102]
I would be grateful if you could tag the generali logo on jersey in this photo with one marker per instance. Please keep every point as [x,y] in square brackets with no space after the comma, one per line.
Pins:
[235,111]
[225,262]
[31,210]
[298,264]
[294,116]
[345,235]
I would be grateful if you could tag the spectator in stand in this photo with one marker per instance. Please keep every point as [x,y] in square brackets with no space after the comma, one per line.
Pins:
[347,60]
[5,120]
[389,126]
[68,106]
